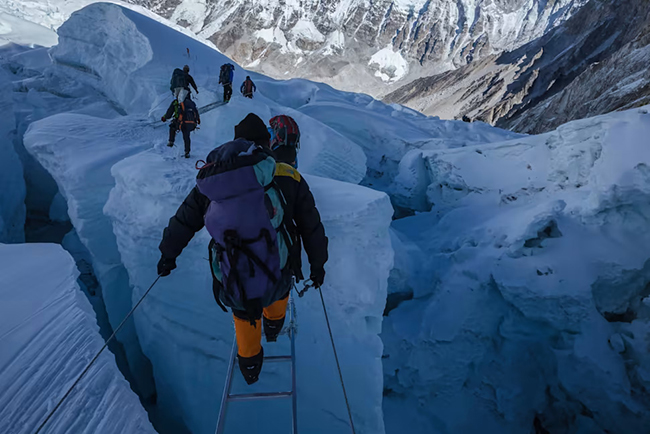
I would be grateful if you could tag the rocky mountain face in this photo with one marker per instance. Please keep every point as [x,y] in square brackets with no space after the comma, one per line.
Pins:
[596,62]
[364,45]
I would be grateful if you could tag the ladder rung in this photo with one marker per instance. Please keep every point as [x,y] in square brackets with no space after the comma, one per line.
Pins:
[255,396]
[277,358]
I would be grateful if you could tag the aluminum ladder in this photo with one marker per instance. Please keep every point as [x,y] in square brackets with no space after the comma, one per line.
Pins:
[228,397]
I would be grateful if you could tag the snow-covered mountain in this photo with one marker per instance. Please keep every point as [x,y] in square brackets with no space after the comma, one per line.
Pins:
[359,45]
[356,45]
[594,63]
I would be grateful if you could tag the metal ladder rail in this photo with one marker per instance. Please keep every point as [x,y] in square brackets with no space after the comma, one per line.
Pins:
[228,397]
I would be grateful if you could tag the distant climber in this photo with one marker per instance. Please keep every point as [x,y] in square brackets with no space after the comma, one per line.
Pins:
[185,117]
[180,83]
[248,87]
[258,212]
[285,139]
[226,76]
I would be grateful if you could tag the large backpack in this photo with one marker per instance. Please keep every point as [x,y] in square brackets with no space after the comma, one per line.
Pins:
[285,132]
[285,138]
[249,252]
[226,73]
[179,79]
[190,112]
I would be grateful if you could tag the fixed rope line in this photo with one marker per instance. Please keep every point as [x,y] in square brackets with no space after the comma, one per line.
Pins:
[49,416]
[338,365]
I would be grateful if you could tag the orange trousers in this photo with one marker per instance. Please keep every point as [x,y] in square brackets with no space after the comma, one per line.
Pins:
[249,337]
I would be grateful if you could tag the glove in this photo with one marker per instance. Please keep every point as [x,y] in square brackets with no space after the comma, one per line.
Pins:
[163,119]
[317,276]
[165,266]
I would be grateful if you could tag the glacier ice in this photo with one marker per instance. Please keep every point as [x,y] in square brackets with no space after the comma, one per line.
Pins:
[12,198]
[537,249]
[517,289]
[47,336]
[62,145]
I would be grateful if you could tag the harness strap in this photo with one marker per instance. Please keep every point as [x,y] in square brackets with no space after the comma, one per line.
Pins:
[214,288]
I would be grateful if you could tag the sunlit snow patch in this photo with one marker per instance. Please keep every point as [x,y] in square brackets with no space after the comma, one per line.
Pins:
[391,66]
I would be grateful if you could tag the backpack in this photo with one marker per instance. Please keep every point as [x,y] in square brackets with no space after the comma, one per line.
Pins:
[190,115]
[284,132]
[226,73]
[179,79]
[249,251]
[248,87]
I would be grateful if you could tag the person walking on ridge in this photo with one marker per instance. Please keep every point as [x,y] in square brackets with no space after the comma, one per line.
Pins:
[185,117]
[248,87]
[181,82]
[226,76]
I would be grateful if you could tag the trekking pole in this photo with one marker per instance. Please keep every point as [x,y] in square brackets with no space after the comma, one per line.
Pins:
[94,359]
[336,357]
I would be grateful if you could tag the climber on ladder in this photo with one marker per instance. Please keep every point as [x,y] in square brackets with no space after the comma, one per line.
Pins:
[258,212]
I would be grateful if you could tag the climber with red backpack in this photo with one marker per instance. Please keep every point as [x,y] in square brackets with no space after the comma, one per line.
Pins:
[258,212]
[185,118]
[248,87]
[285,139]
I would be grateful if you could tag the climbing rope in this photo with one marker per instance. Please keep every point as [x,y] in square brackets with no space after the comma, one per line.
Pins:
[96,357]
[338,365]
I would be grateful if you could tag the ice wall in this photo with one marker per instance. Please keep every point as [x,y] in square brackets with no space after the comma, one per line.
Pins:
[535,315]
[67,146]
[12,196]
[47,336]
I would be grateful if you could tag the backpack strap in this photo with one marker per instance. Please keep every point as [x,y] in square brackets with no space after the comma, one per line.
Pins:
[283,169]
[292,246]
[235,246]
[215,288]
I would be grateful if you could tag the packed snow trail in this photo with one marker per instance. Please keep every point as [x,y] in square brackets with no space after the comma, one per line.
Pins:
[47,334]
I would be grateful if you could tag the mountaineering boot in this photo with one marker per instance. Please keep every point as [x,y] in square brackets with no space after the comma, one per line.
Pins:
[272,328]
[170,144]
[251,366]
[187,155]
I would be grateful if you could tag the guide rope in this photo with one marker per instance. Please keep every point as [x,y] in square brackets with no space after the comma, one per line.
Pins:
[94,359]
[338,365]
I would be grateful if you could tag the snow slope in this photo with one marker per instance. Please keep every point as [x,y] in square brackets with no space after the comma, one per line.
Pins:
[20,31]
[47,336]
[531,306]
